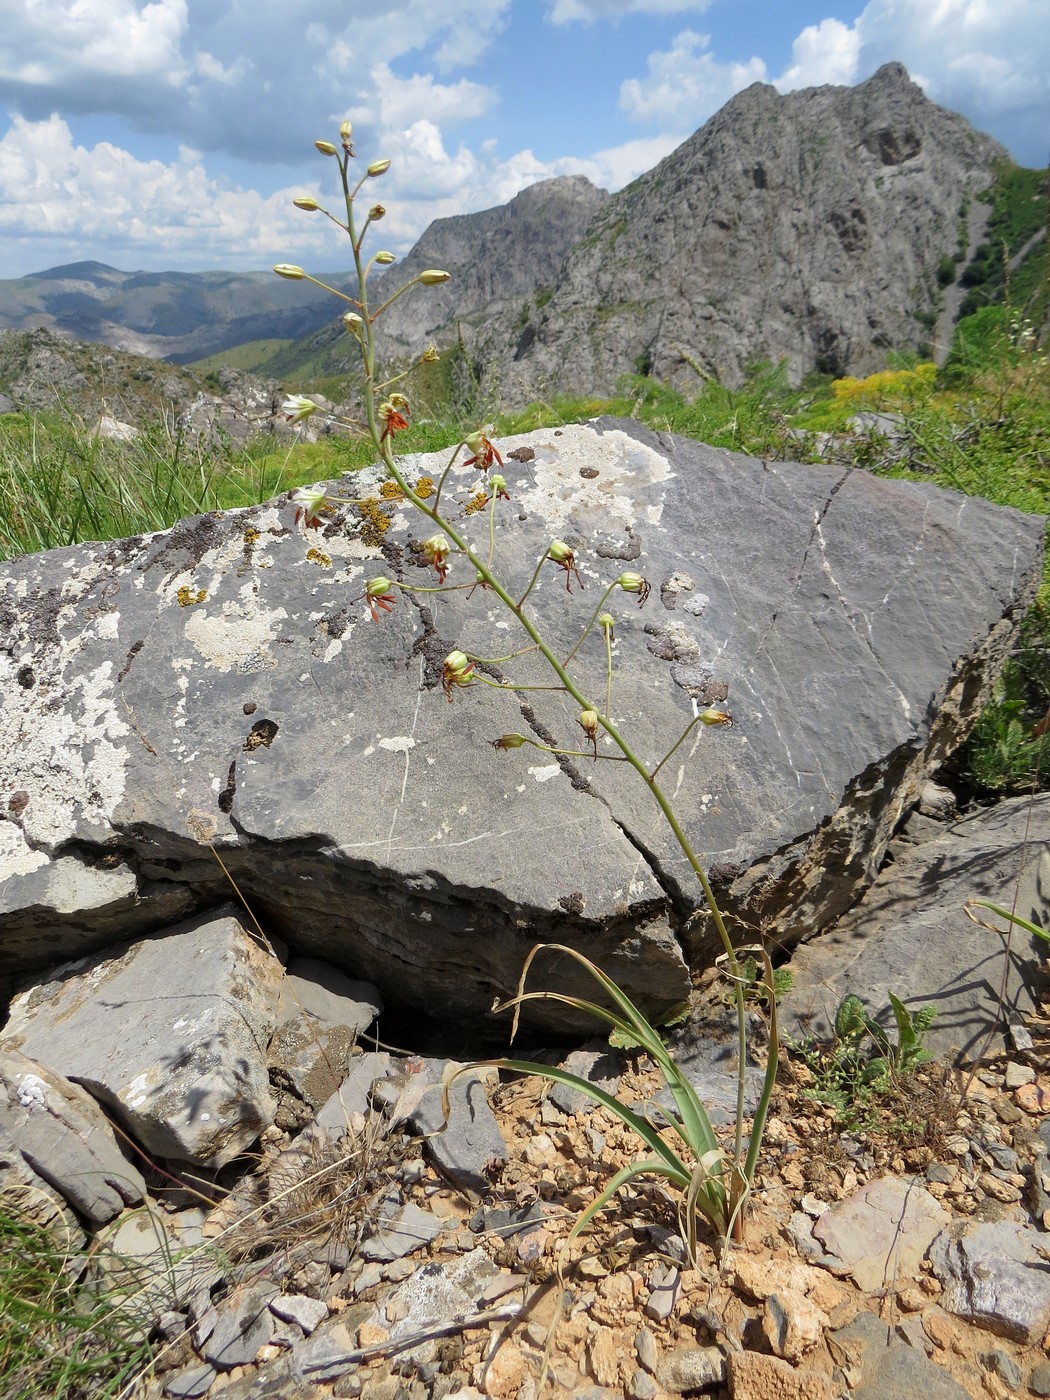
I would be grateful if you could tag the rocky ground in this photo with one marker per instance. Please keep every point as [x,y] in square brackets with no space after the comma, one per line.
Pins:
[352,1256]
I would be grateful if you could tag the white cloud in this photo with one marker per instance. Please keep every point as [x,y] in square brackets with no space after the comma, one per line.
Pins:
[248,77]
[587,11]
[59,42]
[55,194]
[823,53]
[990,58]
[400,101]
[685,84]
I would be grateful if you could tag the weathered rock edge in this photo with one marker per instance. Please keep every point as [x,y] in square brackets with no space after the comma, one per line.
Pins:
[221,684]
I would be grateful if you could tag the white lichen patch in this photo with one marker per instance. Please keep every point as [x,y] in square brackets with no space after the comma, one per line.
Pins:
[63,744]
[544,775]
[401,743]
[238,638]
[17,857]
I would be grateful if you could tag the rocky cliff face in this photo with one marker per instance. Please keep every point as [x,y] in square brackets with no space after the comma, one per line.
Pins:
[502,258]
[806,228]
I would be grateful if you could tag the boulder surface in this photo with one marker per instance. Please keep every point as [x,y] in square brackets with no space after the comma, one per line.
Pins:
[221,688]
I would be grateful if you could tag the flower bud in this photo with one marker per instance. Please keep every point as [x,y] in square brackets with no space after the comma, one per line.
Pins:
[325,147]
[631,582]
[398,401]
[588,722]
[385,259]
[607,622]
[457,670]
[560,552]
[306,202]
[353,323]
[506,742]
[376,587]
[713,717]
[378,167]
[432,277]
[429,355]
[289,270]
[345,130]
[498,484]
[376,212]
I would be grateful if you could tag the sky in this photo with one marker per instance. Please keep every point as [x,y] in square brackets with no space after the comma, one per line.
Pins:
[174,134]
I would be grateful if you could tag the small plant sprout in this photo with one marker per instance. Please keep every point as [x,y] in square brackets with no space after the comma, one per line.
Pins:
[714,1181]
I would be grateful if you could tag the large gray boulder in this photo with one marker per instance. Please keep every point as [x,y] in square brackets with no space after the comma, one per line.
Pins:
[221,685]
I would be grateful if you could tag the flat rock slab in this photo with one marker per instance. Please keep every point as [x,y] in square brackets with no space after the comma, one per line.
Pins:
[65,1139]
[222,682]
[885,1367]
[996,1276]
[170,1033]
[918,902]
[882,1231]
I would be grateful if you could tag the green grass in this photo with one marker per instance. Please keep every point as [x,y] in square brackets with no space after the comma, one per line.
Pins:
[252,355]
[57,1340]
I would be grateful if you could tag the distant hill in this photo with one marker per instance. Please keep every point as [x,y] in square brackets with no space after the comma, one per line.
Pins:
[177,316]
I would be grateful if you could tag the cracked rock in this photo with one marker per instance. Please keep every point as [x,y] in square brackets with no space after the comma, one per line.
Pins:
[170,1033]
[858,625]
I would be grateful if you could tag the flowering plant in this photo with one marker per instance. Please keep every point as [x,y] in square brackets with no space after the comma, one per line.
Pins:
[716,1182]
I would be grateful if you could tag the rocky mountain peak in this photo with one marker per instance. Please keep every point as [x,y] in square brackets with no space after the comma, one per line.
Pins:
[804,227]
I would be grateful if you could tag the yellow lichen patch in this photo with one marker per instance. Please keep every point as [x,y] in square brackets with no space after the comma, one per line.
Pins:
[476,503]
[318,556]
[251,535]
[424,488]
[374,523]
[390,491]
[188,596]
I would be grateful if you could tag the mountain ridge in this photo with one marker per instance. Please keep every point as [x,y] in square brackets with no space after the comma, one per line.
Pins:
[810,228]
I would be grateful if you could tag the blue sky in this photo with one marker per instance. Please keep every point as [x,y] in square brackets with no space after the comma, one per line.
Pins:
[174,134]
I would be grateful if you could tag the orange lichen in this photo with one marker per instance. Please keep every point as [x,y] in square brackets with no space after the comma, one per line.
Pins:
[374,522]
[188,596]
[318,556]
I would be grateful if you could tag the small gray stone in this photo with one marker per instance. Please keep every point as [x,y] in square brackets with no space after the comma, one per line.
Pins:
[663,1291]
[186,1073]
[641,1386]
[890,1369]
[353,1095]
[995,1276]
[328,1354]
[1039,1380]
[595,1063]
[691,1368]
[647,1350]
[190,1383]
[245,1324]
[1017,1074]
[1006,1368]
[400,1232]
[65,1139]
[470,1143]
[307,1313]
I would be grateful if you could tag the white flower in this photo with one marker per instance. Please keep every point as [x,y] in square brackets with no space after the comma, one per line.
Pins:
[297,408]
[310,502]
